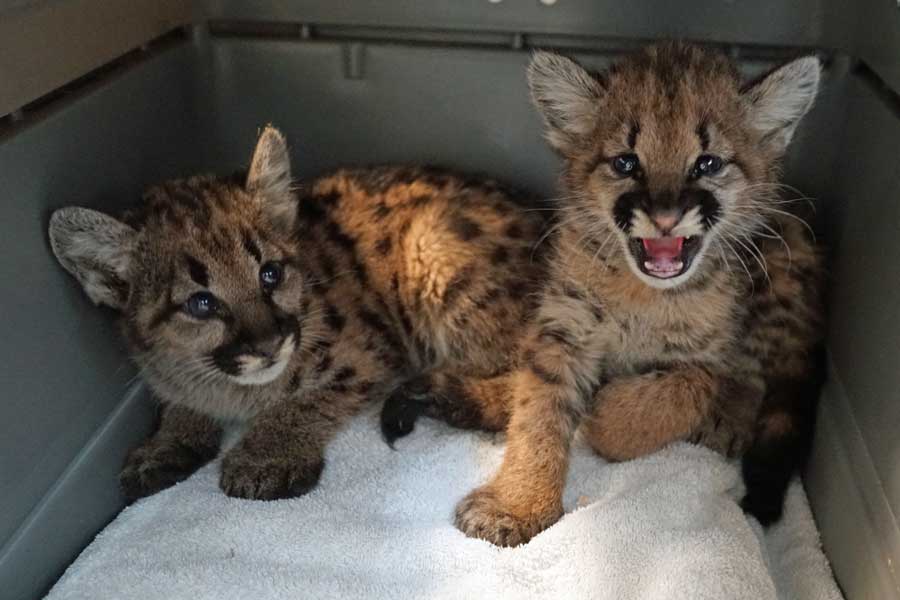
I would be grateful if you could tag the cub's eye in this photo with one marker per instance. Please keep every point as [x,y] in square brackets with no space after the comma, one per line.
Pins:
[626,164]
[707,165]
[270,275]
[201,305]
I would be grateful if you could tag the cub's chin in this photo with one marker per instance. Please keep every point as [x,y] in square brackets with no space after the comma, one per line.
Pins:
[665,262]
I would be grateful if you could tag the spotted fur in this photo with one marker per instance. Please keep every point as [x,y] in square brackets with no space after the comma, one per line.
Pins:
[379,275]
[719,349]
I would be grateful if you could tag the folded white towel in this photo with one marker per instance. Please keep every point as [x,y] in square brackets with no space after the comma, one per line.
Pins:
[379,526]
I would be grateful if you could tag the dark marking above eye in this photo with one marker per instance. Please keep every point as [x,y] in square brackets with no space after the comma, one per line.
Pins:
[703,134]
[633,132]
[198,271]
[251,246]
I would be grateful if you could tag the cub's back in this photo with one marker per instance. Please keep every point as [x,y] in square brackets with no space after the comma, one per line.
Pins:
[449,261]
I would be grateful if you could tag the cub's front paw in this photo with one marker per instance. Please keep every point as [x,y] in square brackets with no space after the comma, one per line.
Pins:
[482,515]
[245,475]
[159,464]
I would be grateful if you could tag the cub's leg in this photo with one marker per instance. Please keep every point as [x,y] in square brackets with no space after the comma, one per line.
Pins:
[636,415]
[282,453]
[461,401]
[560,367]
[184,442]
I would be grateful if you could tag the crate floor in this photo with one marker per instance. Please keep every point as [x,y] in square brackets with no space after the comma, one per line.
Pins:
[379,526]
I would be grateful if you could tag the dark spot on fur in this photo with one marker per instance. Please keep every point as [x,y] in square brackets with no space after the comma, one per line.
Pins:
[517,289]
[329,200]
[383,246]
[324,363]
[514,231]
[337,235]
[374,321]
[465,228]
[499,256]
[334,319]
[310,211]
[457,286]
[493,295]
[343,374]
[327,264]
[382,210]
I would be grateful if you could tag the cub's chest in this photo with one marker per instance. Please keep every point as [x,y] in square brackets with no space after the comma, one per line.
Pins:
[671,328]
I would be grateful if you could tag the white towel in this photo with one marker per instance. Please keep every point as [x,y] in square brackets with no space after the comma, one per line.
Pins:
[379,526]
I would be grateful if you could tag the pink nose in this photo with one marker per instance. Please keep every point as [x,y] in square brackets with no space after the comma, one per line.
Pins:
[666,221]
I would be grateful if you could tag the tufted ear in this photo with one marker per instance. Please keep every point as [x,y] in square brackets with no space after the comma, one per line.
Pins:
[566,95]
[96,249]
[778,101]
[270,178]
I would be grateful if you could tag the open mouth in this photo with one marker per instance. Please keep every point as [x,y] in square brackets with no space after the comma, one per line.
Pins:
[664,257]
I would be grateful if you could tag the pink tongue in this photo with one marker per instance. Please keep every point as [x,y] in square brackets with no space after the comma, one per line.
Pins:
[667,248]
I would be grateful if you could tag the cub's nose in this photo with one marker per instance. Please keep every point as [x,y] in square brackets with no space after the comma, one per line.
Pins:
[268,347]
[666,220]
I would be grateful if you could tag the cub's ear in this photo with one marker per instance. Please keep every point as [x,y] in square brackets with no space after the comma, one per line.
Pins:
[270,178]
[778,101]
[566,94]
[97,250]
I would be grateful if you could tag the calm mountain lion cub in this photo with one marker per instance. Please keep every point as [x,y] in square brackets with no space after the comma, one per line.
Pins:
[682,300]
[291,309]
